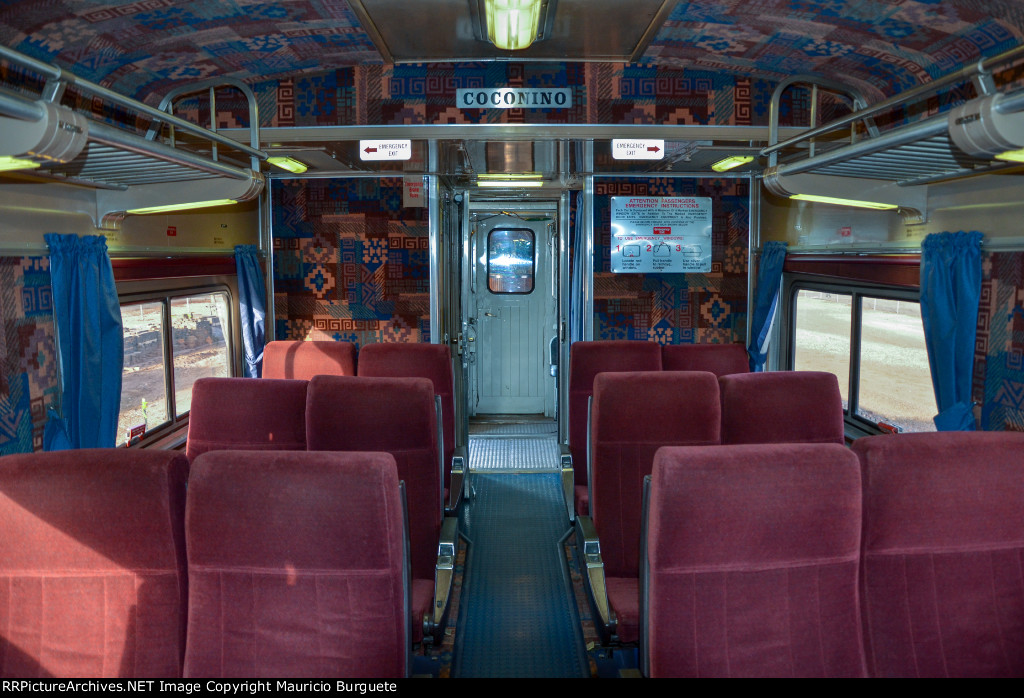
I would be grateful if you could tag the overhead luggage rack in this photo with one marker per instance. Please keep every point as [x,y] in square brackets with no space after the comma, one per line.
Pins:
[43,137]
[961,142]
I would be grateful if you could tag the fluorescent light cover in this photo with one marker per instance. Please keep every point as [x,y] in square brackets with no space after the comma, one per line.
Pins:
[9,162]
[842,202]
[1012,155]
[731,162]
[512,24]
[290,164]
[510,183]
[513,176]
[181,207]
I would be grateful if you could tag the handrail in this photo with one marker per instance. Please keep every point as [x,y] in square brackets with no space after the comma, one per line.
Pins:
[53,72]
[980,69]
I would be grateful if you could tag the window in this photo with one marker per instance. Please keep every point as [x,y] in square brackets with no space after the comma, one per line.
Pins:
[873,341]
[170,342]
[510,260]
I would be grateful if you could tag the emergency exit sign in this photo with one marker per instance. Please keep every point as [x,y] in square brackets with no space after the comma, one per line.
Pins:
[638,149]
[385,150]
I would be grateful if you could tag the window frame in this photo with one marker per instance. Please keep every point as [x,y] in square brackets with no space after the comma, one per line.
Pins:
[533,260]
[165,295]
[793,283]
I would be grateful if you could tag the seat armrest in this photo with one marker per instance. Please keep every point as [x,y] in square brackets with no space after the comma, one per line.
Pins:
[589,548]
[459,482]
[568,480]
[444,574]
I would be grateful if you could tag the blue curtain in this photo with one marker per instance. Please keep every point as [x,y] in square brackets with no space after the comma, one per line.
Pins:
[88,318]
[253,306]
[950,292]
[769,285]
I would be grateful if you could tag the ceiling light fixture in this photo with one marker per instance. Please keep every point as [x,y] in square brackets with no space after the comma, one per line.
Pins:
[181,207]
[289,164]
[843,202]
[509,183]
[9,162]
[513,25]
[731,162]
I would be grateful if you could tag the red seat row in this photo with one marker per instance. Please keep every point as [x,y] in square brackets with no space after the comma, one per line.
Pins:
[345,413]
[635,413]
[589,358]
[275,563]
[302,360]
[900,557]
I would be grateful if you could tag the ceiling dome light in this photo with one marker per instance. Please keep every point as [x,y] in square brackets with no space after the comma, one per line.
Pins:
[512,24]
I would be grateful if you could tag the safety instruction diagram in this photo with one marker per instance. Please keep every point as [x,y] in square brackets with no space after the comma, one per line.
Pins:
[661,234]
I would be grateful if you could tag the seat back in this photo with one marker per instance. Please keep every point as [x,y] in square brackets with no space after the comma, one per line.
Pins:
[396,415]
[635,414]
[751,562]
[302,360]
[586,360]
[246,413]
[418,360]
[781,407]
[720,359]
[943,543]
[92,564]
[297,566]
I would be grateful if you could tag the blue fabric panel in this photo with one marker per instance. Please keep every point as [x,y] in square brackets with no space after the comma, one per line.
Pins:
[950,293]
[769,282]
[252,305]
[91,341]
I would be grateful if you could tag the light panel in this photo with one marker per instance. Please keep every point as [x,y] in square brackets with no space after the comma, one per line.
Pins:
[181,207]
[512,24]
[289,164]
[9,162]
[843,202]
[732,161]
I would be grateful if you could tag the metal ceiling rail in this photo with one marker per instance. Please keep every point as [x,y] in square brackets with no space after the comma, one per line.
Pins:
[107,156]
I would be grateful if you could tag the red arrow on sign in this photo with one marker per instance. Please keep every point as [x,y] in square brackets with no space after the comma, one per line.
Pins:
[371,150]
[653,149]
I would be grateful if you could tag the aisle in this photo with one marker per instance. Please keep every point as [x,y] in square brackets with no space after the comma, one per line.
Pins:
[517,616]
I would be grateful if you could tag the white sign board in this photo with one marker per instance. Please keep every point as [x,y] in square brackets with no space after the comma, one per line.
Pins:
[638,149]
[385,150]
[661,235]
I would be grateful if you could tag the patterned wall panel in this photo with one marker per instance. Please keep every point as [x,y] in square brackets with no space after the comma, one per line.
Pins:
[350,263]
[28,373]
[675,308]
[999,353]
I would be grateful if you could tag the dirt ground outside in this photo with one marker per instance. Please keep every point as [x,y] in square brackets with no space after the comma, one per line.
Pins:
[895,382]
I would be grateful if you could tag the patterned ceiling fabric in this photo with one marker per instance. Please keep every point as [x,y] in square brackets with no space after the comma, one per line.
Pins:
[881,46]
[144,48]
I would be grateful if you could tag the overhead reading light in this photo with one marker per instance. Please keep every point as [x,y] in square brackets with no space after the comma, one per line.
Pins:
[513,25]
[843,202]
[287,163]
[182,206]
[1012,155]
[731,162]
[511,176]
[9,162]
[509,183]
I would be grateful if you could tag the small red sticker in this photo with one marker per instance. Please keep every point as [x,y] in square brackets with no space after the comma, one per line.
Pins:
[662,230]
[172,231]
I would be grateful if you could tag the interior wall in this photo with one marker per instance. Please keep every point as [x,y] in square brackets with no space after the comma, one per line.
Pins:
[708,308]
[998,386]
[351,263]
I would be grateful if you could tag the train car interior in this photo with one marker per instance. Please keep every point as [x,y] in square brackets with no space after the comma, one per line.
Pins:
[511,338]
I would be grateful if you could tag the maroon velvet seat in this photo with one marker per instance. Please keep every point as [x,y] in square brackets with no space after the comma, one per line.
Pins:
[781,407]
[303,360]
[420,360]
[751,562]
[720,359]
[635,414]
[246,413]
[943,544]
[92,564]
[297,566]
[586,360]
[395,415]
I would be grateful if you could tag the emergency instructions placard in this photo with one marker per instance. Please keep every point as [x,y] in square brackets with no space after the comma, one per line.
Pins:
[661,234]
